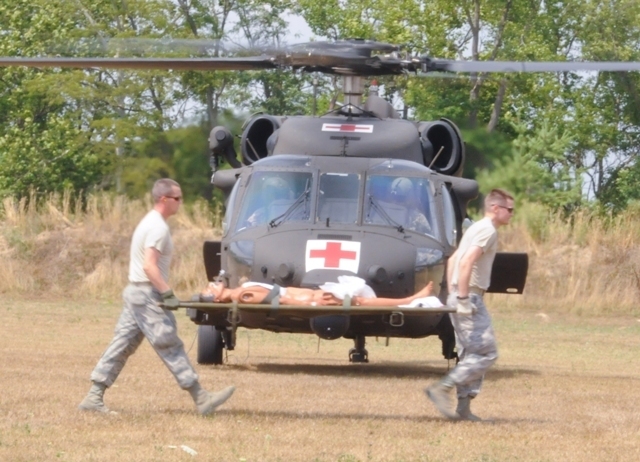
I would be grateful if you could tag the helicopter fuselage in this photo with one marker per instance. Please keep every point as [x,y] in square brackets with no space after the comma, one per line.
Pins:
[317,198]
[335,229]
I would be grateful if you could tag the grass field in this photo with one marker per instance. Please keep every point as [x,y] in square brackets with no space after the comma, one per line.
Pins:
[564,389]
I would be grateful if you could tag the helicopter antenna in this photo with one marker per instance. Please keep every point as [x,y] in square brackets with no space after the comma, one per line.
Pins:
[341,110]
[436,157]
[253,149]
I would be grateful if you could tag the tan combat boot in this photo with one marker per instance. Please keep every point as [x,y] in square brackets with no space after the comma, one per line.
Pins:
[208,402]
[440,394]
[464,410]
[94,399]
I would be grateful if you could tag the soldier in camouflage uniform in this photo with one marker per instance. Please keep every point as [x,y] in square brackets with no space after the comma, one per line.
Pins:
[142,317]
[469,276]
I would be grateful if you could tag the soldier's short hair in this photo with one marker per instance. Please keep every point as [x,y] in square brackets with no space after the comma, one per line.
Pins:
[163,187]
[496,196]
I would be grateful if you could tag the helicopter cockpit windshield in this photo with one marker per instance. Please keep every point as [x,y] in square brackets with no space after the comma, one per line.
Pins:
[397,194]
[273,197]
[338,197]
[403,202]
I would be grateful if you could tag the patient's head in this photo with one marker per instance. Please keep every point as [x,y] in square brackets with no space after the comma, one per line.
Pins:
[212,292]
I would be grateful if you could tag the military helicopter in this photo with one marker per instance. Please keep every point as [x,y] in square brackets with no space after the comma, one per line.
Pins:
[358,191]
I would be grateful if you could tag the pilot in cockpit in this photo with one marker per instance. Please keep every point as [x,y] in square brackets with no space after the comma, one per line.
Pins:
[402,193]
[275,197]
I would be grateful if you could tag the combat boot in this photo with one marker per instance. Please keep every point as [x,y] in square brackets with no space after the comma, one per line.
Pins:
[464,410]
[208,402]
[94,401]
[440,394]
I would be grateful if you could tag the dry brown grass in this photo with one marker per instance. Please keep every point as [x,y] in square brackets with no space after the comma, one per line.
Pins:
[583,265]
[564,389]
[60,249]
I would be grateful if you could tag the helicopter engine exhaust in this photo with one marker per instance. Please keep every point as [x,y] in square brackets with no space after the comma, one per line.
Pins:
[330,327]
[257,141]
[442,147]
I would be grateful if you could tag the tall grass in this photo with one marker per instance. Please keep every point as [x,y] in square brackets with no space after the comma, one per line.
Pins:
[585,263]
[58,246]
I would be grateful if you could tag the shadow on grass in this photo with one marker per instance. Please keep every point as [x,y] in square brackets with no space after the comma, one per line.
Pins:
[248,413]
[373,371]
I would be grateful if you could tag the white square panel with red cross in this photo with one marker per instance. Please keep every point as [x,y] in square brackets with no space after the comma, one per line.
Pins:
[347,128]
[339,255]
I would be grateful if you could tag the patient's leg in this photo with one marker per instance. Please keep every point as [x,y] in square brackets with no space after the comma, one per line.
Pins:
[424,292]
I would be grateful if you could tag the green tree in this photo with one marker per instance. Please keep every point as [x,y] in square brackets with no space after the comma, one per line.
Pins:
[538,170]
[78,122]
[122,129]
[595,114]
[116,121]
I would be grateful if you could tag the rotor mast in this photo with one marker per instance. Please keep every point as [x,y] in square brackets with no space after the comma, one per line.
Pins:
[353,89]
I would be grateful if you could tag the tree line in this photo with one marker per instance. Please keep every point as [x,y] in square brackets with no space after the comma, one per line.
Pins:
[567,140]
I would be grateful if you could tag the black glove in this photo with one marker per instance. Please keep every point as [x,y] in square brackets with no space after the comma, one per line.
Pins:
[170,301]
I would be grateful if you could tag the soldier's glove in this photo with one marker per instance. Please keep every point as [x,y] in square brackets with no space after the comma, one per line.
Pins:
[170,301]
[465,307]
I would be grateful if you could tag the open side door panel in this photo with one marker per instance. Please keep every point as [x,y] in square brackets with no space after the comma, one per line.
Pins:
[509,273]
[212,259]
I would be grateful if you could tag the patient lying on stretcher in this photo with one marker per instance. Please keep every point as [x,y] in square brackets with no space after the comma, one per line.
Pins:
[329,294]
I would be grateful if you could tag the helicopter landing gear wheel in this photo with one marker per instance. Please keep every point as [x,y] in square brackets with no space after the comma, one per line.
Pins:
[358,354]
[210,345]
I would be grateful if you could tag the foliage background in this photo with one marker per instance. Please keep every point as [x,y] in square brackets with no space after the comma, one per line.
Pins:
[566,140]
[565,143]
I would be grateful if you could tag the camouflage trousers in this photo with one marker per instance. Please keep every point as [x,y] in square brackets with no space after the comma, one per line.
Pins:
[142,317]
[476,346]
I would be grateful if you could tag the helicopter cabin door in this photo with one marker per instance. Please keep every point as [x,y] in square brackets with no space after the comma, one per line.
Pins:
[212,259]
[509,273]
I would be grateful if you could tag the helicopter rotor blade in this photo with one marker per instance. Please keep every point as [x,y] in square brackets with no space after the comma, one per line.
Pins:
[346,57]
[199,64]
[519,66]
[136,46]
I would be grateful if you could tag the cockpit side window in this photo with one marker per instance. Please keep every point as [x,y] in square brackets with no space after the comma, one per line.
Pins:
[231,203]
[338,198]
[449,217]
[398,201]
[275,196]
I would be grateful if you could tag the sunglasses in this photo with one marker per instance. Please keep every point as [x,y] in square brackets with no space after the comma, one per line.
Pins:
[177,199]
[508,209]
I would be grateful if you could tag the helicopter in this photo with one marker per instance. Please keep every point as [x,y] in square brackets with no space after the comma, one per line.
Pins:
[358,191]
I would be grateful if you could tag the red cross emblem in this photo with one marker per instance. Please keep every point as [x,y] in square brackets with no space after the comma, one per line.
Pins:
[348,128]
[333,255]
